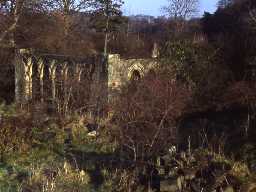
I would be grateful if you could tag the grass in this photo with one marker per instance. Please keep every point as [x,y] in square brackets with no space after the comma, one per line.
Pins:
[41,162]
[46,163]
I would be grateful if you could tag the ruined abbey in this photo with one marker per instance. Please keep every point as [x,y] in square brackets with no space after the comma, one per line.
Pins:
[64,80]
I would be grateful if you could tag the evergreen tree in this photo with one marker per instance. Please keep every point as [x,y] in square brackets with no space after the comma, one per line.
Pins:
[108,13]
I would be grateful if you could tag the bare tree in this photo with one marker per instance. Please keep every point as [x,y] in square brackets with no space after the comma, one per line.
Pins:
[146,115]
[181,9]
[68,5]
[68,8]
[11,12]
[12,9]
[224,3]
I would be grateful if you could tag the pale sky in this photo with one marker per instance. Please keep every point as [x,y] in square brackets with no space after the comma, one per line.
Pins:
[153,7]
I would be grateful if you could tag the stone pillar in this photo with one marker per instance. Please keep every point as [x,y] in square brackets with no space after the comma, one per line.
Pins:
[50,97]
[64,75]
[28,78]
[52,76]
[23,76]
[155,51]
[78,72]
[40,73]
[64,72]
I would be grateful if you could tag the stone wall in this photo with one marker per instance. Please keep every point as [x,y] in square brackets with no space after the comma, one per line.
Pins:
[120,71]
[41,77]
[44,77]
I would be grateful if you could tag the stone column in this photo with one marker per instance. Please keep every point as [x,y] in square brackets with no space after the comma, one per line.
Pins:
[40,73]
[64,76]
[78,72]
[52,76]
[155,51]
[23,76]
[64,72]
[28,79]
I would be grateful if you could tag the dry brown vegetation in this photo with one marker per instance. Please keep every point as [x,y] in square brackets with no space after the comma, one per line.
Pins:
[187,125]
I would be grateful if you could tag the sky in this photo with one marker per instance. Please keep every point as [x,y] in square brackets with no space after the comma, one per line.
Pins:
[153,7]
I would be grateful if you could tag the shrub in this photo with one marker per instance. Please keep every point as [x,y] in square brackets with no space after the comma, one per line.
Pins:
[147,113]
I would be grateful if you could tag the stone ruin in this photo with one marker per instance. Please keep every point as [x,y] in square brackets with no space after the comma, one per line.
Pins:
[60,80]
[56,79]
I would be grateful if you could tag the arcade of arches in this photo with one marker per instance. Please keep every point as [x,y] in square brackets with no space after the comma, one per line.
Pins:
[76,82]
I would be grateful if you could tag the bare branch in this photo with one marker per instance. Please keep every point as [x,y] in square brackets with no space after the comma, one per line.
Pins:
[18,10]
[181,9]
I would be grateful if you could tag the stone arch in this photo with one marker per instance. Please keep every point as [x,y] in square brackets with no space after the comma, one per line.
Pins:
[46,80]
[136,75]
[137,69]
[71,70]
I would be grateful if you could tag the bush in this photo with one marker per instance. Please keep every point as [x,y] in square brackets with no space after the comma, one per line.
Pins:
[147,113]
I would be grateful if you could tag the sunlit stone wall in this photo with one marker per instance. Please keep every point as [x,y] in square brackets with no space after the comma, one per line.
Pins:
[120,70]
[41,77]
